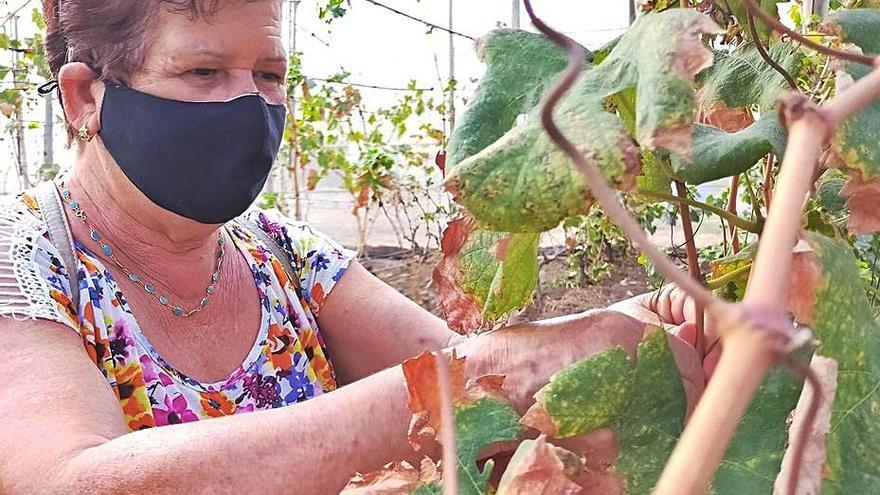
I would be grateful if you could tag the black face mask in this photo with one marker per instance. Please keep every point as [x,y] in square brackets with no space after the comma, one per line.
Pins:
[204,161]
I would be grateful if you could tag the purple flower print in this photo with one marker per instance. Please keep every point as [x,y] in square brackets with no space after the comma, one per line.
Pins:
[264,390]
[175,412]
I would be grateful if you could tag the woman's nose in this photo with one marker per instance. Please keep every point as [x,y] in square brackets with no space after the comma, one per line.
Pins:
[242,82]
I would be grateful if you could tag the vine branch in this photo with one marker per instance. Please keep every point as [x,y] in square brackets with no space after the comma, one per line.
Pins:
[693,262]
[733,195]
[758,333]
[779,27]
[753,31]
[731,218]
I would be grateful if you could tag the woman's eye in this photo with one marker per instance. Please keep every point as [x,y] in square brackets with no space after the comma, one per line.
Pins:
[271,76]
[203,73]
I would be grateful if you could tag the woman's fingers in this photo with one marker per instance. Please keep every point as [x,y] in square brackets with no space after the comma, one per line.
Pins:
[688,333]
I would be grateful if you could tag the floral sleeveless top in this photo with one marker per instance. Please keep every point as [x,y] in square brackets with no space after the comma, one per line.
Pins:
[288,362]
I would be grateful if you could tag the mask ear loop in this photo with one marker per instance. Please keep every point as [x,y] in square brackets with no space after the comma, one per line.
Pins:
[51,85]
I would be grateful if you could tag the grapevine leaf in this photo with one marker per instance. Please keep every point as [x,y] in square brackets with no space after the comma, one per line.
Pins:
[538,468]
[741,78]
[482,415]
[755,453]
[724,117]
[519,67]
[737,8]
[828,194]
[857,142]
[718,154]
[524,183]
[609,390]
[862,200]
[483,275]
[734,289]
[656,173]
[399,478]
[836,307]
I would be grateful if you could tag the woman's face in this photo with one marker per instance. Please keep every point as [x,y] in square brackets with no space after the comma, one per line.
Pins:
[237,51]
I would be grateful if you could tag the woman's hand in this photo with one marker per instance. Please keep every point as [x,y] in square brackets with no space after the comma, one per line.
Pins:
[673,309]
[529,354]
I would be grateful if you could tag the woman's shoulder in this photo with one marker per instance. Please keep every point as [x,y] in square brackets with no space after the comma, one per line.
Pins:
[35,279]
[298,238]
[318,260]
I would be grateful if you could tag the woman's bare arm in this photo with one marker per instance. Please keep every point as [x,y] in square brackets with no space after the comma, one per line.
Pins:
[369,326]
[62,431]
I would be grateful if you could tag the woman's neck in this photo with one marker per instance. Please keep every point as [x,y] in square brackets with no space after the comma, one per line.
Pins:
[175,253]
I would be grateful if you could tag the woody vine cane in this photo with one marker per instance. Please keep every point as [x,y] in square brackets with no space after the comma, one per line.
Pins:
[758,332]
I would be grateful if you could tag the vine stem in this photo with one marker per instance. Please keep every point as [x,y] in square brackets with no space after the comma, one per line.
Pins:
[748,355]
[758,333]
[731,208]
[767,187]
[779,27]
[693,263]
[600,191]
[447,421]
[731,218]
[753,31]
[720,282]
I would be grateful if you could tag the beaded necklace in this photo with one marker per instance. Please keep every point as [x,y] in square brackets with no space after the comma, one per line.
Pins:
[149,288]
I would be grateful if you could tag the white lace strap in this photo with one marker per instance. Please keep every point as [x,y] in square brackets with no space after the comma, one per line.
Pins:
[59,233]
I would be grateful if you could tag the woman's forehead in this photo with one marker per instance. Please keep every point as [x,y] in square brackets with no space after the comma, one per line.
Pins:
[252,30]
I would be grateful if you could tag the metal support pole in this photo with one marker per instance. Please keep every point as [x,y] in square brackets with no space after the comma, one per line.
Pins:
[514,20]
[293,145]
[451,70]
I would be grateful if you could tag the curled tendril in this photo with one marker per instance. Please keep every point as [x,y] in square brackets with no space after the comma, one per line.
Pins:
[607,198]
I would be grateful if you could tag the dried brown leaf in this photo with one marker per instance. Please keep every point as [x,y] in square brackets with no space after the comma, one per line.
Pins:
[424,395]
[813,464]
[463,312]
[863,201]
[399,478]
[539,468]
[728,119]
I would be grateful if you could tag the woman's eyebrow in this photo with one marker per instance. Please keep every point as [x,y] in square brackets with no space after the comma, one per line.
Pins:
[200,53]
[273,60]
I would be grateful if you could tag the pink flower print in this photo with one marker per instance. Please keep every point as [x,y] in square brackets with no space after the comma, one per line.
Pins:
[175,412]
[149,369]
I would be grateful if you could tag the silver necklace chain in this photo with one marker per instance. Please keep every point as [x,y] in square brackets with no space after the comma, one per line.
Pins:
[149,288]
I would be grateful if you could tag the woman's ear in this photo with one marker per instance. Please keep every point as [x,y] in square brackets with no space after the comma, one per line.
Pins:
[79,96]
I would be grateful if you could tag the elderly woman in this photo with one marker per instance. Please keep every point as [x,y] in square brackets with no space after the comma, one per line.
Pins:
[177,311]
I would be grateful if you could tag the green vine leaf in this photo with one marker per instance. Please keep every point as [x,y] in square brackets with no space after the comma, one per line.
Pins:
[608,390]
[834,304]
[857,142]
[519,67]
[524,183]
[718,154]
[737,8]
[484,275]
[741,78]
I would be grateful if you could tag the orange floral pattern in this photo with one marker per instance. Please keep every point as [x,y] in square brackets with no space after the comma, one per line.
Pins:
[288,363]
